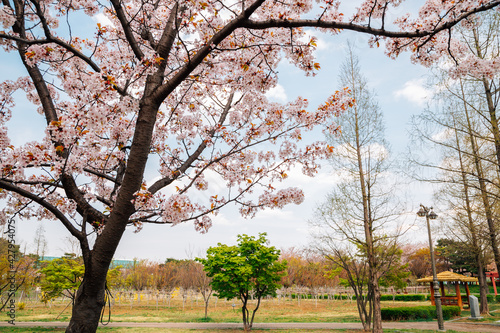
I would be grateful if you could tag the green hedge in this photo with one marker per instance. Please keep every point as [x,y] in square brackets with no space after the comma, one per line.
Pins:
[419,313]
[404,297]
[309,296]
[491,298]
[397,297]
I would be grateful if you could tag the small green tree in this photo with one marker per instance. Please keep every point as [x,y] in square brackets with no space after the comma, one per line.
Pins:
[248,269]
[396,273]
[61,276]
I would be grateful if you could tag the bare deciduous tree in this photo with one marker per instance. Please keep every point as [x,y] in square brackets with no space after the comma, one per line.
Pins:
[352,227]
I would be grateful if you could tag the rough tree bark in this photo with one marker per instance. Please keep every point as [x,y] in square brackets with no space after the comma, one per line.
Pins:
[483,286]
[492,106]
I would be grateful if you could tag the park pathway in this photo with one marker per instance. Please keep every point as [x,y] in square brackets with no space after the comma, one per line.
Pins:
[452,325]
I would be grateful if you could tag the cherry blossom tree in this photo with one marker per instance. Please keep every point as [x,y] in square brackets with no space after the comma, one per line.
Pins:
[177,87]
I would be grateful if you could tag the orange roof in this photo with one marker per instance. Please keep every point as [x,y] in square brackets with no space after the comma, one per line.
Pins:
[449,276]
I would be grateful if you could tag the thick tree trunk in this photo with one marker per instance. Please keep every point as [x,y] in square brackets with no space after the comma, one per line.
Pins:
[90,297]
[496,135]
[483,289]
[87,309]
[377,311]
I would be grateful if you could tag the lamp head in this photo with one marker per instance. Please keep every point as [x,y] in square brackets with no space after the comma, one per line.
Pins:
[433,215]
[422,212]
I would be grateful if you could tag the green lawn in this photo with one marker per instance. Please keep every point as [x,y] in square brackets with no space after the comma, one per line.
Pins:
[270,311]
[162,330]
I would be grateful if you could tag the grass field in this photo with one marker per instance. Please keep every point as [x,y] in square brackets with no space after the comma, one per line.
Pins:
[223,311]
[175,330]
[271,311]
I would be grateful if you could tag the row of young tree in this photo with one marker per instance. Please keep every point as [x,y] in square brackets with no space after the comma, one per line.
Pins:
[303,270]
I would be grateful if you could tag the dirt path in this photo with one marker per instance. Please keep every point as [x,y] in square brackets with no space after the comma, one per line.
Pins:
[456,326]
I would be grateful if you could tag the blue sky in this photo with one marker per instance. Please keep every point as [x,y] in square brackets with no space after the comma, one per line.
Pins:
[399,86]
[400,89]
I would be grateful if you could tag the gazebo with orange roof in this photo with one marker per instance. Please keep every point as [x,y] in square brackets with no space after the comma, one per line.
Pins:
[455,278]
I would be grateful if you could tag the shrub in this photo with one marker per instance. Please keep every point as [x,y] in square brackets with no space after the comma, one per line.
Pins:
[404,297]
[419,313]
[398,297]
[302,296]
[491,298]
[451,311]
[21,305]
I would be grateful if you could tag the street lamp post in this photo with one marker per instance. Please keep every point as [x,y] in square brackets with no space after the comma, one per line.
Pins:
[430,215]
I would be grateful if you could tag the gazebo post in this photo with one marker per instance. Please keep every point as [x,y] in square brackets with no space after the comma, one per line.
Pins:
[459,298]
[493,278]
[433,302]
[441,284]
[468,292]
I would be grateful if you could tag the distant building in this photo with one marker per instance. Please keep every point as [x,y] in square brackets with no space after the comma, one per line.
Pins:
[114,263]
[48,258]
[122,262]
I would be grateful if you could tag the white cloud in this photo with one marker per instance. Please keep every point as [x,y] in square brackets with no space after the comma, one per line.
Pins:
[269,214]
[222,219]
[277,94]
[322,44]
[443,135]
[414,91]
[103,20]
[376,150]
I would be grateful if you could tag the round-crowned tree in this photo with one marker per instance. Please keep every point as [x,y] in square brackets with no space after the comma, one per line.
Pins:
[250,268]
